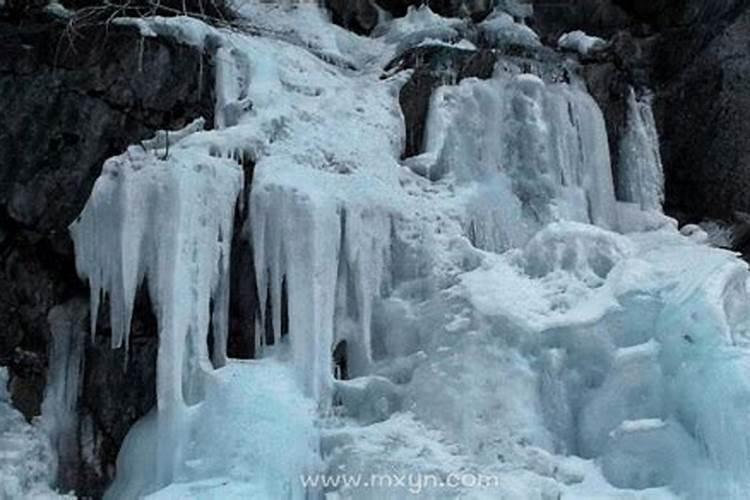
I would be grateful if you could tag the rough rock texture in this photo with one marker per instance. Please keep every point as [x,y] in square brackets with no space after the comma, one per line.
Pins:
[359,16]
[66,108]
[705,133]
[596,17]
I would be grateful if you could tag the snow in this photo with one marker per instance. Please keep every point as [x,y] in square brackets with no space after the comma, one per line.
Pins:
[419,25]
[503,313]
[578,41]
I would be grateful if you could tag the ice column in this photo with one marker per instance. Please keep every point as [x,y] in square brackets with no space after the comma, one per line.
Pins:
[164,218]
[640,177]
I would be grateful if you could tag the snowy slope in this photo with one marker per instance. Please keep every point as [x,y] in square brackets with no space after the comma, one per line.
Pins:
[504,315]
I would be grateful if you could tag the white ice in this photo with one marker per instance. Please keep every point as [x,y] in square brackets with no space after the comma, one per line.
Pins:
[578,41]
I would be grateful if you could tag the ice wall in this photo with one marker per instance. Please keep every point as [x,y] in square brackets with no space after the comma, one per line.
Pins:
[331,256]
[543,148]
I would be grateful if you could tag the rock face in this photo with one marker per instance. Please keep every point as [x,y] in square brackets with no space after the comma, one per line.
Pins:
[69,101]
[359,16]
[705,134]
[692,55]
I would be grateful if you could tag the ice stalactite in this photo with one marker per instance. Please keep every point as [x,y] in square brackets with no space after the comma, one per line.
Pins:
[542,146]
[363,261]
[295,238]
[60,406]
[164,217]
[331,259]
[640,176]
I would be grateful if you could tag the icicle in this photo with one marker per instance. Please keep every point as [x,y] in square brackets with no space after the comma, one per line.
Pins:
[640,176]
[60,406]
[296,237]
[365,243]
[167,221]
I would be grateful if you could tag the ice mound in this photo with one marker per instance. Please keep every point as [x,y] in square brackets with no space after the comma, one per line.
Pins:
[233,449]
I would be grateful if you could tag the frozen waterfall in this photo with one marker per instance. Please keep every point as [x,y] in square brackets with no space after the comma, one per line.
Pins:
[495,321]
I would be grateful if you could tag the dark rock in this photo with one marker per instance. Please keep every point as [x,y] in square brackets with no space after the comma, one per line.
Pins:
[702,117]
[398,8]
[118,389]
[477,10]
[595,17]
[243,295]
[670,14]
[695,61]
[359,16]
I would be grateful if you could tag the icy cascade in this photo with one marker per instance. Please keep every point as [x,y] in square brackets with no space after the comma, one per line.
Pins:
[542,146]
[320,217]
[640,177]
[162,214]
[60,406]
[164,217]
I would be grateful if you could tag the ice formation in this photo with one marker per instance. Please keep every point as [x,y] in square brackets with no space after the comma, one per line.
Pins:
[60,406]
[493,319]
[531,153]
[578,41]
[641,177]
[164,217]
[27,460]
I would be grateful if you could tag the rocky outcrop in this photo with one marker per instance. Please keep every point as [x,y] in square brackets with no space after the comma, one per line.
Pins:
[361,16]
[705,135]
[71,99]
[692,56]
